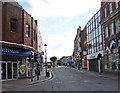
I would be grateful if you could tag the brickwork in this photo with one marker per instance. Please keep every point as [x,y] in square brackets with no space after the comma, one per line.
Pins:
[112,57]
[15,11]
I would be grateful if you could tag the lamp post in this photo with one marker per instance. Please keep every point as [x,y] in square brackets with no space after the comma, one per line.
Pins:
[46,58]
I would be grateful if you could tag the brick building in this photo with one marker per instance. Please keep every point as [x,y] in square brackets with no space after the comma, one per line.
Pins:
[110,15]
[77,49]
[19,40]
[84,49]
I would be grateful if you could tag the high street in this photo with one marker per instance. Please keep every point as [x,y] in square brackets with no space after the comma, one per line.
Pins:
[67,79]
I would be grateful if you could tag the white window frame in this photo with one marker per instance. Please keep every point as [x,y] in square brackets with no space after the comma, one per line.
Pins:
[111,29]
[106,31]
[117,25]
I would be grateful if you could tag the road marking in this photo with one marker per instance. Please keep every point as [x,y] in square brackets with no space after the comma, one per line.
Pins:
[53,77]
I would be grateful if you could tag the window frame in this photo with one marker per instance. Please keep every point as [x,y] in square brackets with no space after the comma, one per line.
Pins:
[117,26]
[106,32]
[27,32]
[111,29]
[110,8]
[105,11]
[13,21]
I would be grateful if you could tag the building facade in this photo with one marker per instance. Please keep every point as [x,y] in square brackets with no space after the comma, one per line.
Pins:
[77,49]
[19,40]
[110,14]
[84,49]
[94,41]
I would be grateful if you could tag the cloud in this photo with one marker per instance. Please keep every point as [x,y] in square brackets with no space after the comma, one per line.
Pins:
[60,44]
[55,8]
[58,21]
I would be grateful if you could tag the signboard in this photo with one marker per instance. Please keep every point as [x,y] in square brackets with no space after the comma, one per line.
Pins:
[22,69]
[111,38]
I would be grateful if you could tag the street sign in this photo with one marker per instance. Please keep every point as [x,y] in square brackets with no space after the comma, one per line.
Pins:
[22,69]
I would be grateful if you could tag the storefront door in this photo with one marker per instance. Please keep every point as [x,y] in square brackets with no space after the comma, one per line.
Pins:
[3,71]
[9,70]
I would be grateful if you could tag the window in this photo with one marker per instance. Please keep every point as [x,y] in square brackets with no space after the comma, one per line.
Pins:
[110,7]
[116,3]
[100,30]
[14,25]
[111,29]
[36,38]
[105,12]
[27,30]
[106,31]
[100,39]
[34,34]
[117,23]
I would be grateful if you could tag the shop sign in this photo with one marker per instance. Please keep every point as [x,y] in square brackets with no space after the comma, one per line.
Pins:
[8,50]
[22,69]
[13,51]
[113,37]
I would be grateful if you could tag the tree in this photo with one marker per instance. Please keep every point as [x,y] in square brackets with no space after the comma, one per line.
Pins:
[53,59]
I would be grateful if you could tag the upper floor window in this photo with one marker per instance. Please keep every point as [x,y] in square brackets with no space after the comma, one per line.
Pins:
[106,31]
[105,12]
[117,23]
[111,29]
[34,34]
[27,30]
[14,25]
[110,7]
[116,3]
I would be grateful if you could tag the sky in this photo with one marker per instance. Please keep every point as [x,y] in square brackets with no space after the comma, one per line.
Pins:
[58,21]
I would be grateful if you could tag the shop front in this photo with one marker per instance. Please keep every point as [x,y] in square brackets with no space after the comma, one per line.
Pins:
[92,62]
[12,59]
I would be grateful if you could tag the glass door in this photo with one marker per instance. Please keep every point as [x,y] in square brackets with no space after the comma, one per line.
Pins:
[3,71]
[14,70]
[9,70]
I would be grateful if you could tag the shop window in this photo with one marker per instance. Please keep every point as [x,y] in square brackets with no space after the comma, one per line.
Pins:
[14,25]
[119,65]
[113,65]
[15,70]
[9,70]
[3,71]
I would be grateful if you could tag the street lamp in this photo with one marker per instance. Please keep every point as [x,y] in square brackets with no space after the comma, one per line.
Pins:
[46,58]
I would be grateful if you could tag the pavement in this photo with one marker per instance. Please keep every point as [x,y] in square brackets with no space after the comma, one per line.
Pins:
[10,85]
[97,74]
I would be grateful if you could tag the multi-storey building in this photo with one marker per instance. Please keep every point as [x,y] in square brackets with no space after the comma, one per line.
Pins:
[110,13]
[19,40]
[77,49]
[84,49]
[94,41]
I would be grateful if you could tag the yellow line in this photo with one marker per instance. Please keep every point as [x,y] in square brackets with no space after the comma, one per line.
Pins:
[53,77]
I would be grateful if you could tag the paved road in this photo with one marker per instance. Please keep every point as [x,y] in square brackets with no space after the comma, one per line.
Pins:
[68,79]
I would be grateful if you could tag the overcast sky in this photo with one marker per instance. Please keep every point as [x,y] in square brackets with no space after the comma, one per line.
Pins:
[58,21]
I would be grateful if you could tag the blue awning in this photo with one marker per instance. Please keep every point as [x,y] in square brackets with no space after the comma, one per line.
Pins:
[14,51]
